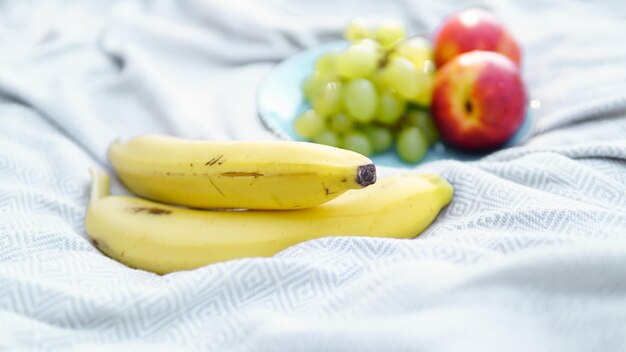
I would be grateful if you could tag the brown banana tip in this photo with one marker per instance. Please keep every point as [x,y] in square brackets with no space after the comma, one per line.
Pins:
[366,175]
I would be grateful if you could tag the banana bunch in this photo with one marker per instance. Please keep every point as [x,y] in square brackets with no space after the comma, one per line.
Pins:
[330,191]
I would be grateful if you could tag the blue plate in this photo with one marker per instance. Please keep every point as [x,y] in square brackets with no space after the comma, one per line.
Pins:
[280,100]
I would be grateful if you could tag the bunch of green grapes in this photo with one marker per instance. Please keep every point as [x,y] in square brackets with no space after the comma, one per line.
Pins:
[373,95]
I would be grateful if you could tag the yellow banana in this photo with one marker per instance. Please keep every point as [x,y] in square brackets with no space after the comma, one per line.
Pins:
[161,238]
[238,174]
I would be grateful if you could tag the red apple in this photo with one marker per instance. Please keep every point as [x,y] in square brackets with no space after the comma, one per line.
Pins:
[479,100]
[473,29]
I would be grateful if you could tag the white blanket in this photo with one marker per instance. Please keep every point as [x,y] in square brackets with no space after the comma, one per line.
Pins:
[529,256]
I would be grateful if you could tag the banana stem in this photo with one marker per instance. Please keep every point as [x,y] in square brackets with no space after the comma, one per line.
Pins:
[100,183]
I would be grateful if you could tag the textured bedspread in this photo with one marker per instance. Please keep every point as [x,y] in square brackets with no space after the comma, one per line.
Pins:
[529,256]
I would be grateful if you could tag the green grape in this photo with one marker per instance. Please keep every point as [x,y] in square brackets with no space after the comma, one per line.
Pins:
[380,137]
[423,120]
[389,33]
[327,99]
[390,108]
[400,75]
[356,30]
[370,42]
[411,145]
[428,67]
[359,60]
[426,79]
[416,49]
[309,124]
[360,99]
[379,80]
[341,123]
[357,142]
[312,83]
[326,64]
[425,90]
[327,137]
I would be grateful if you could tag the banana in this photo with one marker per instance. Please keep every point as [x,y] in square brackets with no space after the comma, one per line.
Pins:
[238,174]
[161,238]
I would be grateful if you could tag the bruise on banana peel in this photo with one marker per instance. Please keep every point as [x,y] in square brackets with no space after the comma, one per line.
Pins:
[327,190]
[216,160]
[241,174]
[151,210]
[101,245]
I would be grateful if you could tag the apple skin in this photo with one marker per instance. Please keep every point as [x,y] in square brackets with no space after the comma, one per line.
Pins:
[479,100]
[473,29]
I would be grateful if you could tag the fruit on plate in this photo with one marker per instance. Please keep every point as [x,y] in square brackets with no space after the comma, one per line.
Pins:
[479,100]
[361,98]
[391,84]
[160,238]
[238,174]
[473,29]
